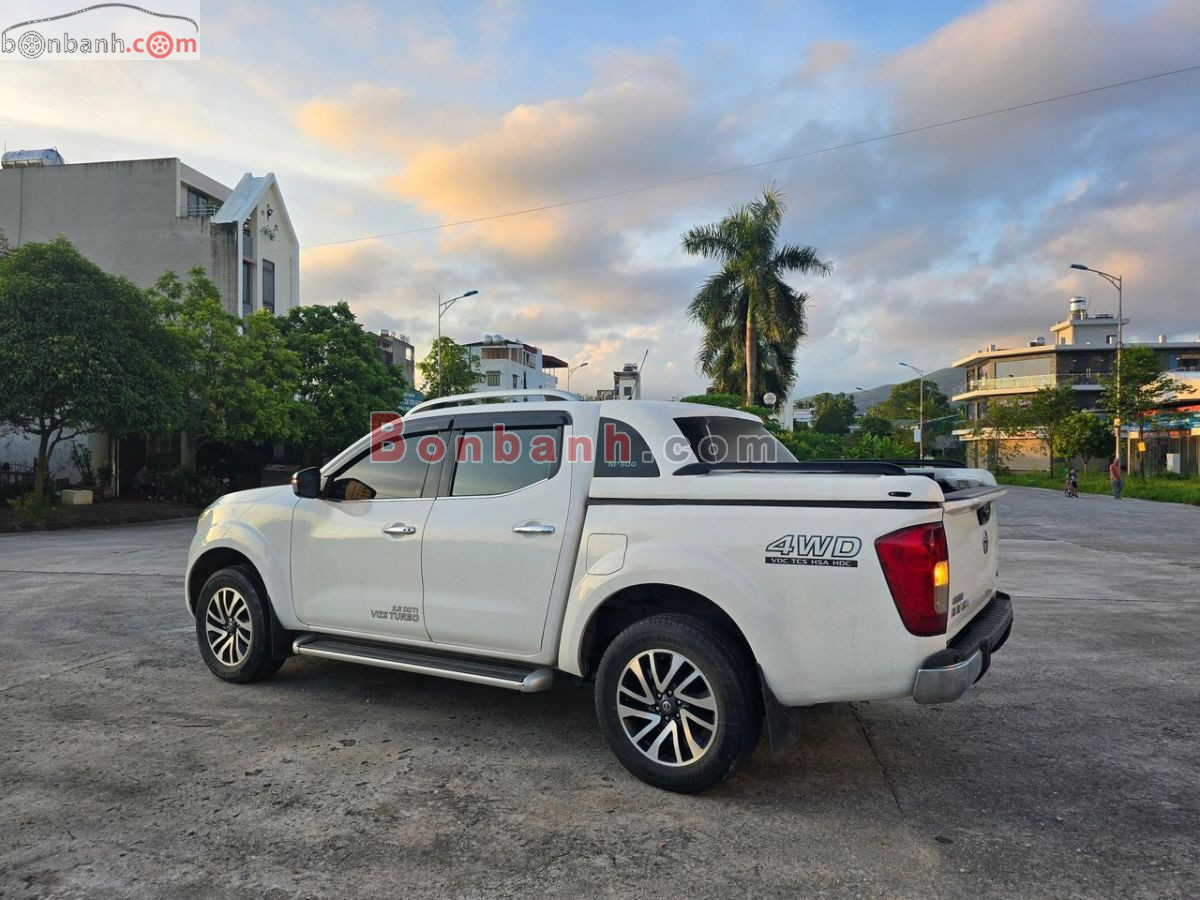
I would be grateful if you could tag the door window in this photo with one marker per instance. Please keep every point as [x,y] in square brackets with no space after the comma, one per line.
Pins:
[367,479]
[521,457]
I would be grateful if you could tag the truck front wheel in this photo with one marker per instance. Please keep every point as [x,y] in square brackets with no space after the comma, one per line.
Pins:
[232,627]
[679,702]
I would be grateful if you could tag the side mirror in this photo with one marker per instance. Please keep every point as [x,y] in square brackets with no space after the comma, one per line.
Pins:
[307,482]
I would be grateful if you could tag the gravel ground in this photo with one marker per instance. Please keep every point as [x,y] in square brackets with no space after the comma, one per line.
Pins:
[127,770]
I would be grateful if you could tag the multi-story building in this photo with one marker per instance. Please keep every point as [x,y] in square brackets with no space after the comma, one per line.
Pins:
[396,350]
[627,382]
[1082,354]
[512,364]
[142,217]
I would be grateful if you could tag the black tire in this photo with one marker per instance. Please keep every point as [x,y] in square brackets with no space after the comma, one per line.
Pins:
[731,689]
[244,654]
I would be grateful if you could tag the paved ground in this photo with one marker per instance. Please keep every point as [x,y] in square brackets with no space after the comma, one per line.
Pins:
[1073,769]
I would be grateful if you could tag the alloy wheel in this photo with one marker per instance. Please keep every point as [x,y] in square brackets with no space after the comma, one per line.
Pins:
[228,627]
[667,707]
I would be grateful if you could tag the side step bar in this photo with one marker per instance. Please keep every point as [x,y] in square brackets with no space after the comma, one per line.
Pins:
[496,673]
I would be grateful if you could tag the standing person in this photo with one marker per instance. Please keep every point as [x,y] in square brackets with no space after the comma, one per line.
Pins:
[141,482]
[1114,475]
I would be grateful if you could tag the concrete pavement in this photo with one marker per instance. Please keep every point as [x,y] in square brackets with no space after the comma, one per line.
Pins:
[1072,769]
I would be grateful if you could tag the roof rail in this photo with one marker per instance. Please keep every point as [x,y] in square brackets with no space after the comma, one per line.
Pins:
[509,396]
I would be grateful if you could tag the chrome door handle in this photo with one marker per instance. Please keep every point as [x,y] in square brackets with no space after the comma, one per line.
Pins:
[533,528]
[400,528]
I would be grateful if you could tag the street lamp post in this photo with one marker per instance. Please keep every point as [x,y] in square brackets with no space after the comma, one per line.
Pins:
[442,306]
[1115,281]
[571,372]
[920,409]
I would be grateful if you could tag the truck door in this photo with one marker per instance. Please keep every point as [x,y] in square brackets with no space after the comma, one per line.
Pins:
[356,550]
[495,533]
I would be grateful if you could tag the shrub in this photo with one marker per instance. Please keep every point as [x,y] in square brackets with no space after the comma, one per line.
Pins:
[194,487]
[31,507]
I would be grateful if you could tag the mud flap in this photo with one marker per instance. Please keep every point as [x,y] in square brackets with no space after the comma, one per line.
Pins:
[783,722]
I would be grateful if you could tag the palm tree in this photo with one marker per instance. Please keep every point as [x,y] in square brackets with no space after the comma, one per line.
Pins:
[747,302]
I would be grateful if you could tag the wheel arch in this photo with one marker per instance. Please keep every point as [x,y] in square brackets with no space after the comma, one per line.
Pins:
[212,561]
[633,603]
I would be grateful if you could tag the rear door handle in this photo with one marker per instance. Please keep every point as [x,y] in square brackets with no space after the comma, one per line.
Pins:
[533,528]
[400,528]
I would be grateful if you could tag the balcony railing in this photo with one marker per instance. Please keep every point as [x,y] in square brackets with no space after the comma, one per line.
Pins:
[1025,382]
[201,210]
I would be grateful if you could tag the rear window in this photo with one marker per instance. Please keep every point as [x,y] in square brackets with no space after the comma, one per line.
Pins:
[716,439]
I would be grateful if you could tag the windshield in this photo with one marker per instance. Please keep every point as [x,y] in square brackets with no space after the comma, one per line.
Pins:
[716,439]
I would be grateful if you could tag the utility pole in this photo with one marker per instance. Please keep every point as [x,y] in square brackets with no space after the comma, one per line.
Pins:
[920,409]
[442,306]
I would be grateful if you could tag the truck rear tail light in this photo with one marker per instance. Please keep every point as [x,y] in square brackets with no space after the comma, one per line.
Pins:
[916,565]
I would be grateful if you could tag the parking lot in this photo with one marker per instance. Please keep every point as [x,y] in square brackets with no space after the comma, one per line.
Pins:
[1072,769]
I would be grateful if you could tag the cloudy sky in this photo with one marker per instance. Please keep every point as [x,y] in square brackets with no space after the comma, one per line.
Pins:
[393,117]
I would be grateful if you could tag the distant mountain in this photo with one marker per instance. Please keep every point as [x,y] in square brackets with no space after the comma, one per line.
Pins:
[949,382]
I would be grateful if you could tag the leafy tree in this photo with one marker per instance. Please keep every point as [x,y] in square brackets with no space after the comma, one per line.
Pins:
[83,351]
[1000,420]
[449,368]
[1143,387]
[240,378]
[5,249]
[874,425]
[904,402]
[833,413]
[1084,435]
[342,378]
[723,359]
[748,301]
[1047,412]
[880,446]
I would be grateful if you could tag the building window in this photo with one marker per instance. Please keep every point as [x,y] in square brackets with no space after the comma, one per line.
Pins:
[247,288]
[493,353]
[493,379]
[268,287]
[516,380]
[627,391]
[198,204]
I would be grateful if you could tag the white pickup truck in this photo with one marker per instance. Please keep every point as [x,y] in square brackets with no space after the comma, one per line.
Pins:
[675,554]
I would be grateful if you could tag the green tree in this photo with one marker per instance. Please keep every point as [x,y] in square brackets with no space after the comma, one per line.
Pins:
[748,301]
[1143,388]
[82,351]
[240,378]
[996,424]
[342,379]
[833,413]
[904,402]
[5,248]
[1049,409]
[1085,435]
[723,359]
[449,368]
[874,425]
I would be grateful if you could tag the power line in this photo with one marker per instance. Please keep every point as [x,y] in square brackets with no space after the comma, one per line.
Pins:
[766,162]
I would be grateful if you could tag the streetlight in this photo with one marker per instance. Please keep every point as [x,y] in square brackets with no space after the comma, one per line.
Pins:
[920,409]
[1115,281]
[442,306]
[571,372]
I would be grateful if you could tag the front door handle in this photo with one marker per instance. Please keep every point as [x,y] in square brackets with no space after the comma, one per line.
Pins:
[400,528]
[533,528]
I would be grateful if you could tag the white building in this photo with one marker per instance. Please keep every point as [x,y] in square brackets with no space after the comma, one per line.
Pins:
[509,365]
[627,383]
[142,217]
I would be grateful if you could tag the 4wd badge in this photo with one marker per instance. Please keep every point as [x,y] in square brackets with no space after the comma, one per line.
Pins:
[837,550]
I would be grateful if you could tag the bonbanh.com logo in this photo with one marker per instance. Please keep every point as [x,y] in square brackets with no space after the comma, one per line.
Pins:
[104,31]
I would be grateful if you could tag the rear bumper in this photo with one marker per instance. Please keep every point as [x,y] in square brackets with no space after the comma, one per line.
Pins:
[946,675]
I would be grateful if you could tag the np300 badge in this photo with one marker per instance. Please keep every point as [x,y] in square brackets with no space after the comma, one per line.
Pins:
[836,550]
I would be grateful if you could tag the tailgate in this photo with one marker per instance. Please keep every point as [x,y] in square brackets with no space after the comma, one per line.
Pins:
[971,540]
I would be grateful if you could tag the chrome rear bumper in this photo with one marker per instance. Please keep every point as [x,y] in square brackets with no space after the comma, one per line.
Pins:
[947,675]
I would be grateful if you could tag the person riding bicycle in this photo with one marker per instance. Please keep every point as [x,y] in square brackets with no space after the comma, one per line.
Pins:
[1072,484]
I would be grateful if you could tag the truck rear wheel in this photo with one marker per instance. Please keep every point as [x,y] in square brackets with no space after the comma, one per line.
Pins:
[233,627]
[679,702]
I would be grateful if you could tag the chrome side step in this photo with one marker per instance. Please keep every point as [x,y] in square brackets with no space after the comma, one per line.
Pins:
[496,673]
